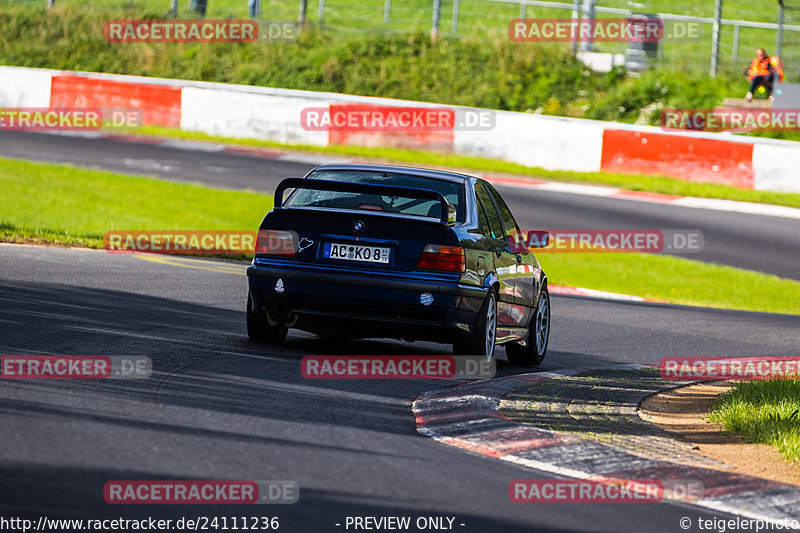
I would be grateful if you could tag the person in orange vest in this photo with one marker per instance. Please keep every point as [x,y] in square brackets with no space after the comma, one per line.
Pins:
[762,73]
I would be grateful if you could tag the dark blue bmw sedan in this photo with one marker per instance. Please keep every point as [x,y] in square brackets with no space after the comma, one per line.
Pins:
[363,251]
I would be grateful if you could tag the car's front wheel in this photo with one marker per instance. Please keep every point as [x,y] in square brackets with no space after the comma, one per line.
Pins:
[532,354]
[482,340]
[258,329]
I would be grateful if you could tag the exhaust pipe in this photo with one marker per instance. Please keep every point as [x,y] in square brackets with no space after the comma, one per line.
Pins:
[281,309]
[278,312]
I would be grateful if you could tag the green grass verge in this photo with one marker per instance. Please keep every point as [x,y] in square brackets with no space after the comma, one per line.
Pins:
[765,412]
[633,182]
[64,205]
[674,279]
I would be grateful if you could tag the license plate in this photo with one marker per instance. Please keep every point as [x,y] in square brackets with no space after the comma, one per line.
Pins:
[355,252]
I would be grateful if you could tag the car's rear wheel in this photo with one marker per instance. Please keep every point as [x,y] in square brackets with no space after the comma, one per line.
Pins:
[482,340]
[532,354]
[258,329]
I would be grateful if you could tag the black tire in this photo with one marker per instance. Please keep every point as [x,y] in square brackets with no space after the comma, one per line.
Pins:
[532,354]
[258,329]
[482,340]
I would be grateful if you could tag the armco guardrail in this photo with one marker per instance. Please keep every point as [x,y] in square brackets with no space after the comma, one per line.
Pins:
[553,143]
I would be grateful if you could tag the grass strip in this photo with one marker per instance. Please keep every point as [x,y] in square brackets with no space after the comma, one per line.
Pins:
[674,279]
[766,412]
[59,204]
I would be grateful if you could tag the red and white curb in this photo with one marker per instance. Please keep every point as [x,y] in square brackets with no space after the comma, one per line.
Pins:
[467,417]
[603,295]
[749,208]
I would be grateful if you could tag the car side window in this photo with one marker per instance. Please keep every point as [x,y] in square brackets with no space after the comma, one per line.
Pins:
[485,201]
[509,224]
[483,222]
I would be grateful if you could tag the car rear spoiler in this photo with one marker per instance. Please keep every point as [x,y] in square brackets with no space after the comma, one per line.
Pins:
[367,188]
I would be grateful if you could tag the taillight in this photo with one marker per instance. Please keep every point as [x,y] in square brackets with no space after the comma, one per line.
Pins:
[439,257]
[276,242]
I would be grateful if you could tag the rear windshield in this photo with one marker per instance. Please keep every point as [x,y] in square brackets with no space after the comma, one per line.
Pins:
[452,191]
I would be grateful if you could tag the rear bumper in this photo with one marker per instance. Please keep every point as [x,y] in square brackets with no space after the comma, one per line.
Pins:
[363,302]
